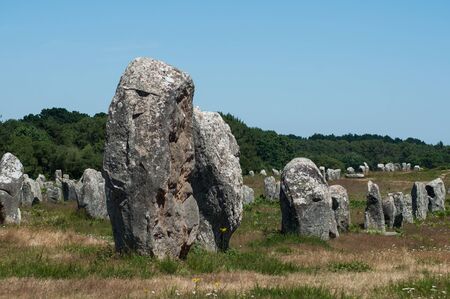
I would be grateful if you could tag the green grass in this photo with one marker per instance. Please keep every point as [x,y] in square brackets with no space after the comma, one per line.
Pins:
[427,287]
[65,216]
[277,239]
[353,266]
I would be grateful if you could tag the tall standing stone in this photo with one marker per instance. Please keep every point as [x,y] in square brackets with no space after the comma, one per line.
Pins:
[248,195]
[389,211]
[341,207]
[419,201]
[148,160]
[407,209]
[373,216]
[436,195]
[270,188]
[217,180]
[305,200]
[401,209]
[31,192]
[11,179]
[92,196]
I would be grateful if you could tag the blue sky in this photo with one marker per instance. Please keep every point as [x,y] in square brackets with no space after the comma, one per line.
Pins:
[299,67]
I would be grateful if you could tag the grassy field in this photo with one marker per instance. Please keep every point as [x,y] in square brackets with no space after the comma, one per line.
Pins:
[59,252]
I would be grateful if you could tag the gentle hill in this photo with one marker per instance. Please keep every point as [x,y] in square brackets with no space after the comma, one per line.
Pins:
[73,141]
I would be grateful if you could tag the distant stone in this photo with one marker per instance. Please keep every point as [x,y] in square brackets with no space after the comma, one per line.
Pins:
[380,167]
[263,172]
[397,167]
[362,168]
[373,216]
[408,166]
[248,195]
[306,204]
[251,173]
[419,201]
[333,174]
[11,179]
[436,195]
[92,197]
[389,167]
[341,207]
[350,170]
[389,211]
[404,168]
[66,177]
[217,180]
[31,192]
[417,168]
[355,176]
[41,180]
[367,168]
[53,192]
[71,189]
[270,188]
[275,172]
[323,171]
[148,160]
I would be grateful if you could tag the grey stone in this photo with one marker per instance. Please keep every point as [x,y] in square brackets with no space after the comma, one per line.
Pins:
[31,192]
[270,188]
[251,173]
[53,192]
[58,174]
[92,196]
[407,209]
[417,168]
[366,168]
[11,179]
[381,167]
[148,161]
[389,211]
[275,172]
[323,171]
[408,166]
[248,195]
[350,170]
[71,189]
[263,172]
[341,207]
[355,176]
[305,200]
[389,167]
[333,174]
[41,180]
[217,180]
[436,195]
[397,167]
[419,201]
[373,216]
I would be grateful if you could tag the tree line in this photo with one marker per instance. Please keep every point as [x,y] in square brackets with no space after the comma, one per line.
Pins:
[73,141]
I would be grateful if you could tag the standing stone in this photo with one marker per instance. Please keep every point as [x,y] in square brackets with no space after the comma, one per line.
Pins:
[270,188]
[417,168]
[373,216]
[323,171]
[217,180]
[408,166]
[275,172]
[350,170]
[380,167]
[58,174]
[31,192]
[389,211]
[366,168]
[71,189]
[436,195]
[419,201]
[53,192]
[92,196]
[333,174]
[248,195]
[148,160]
[305,200]
[401,209]
[404,167]
[11,179]
[397,167]
[362,168]
[251,173]
[263,172]
[407,209]
[389,167]
[341,207]
[41,180]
